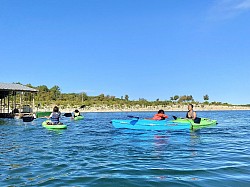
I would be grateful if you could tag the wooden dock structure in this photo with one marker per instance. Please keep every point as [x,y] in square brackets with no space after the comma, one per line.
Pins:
[8,100]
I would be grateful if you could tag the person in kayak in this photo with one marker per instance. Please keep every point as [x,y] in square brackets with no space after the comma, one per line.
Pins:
[160,115]
[77,113]
[55,116]
[191,114]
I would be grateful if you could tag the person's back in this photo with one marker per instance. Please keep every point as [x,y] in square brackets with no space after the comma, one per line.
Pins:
[160,115]
[55,115]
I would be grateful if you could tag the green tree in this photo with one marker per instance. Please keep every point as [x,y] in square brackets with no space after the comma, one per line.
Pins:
[29,85]
[84,96]
[189,98]
[55,92]
[182,98]
[43,88]
[101,97]
[126,97]
[206,97]
[176,97]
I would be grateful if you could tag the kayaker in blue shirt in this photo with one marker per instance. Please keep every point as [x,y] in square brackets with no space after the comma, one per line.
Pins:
[191,114]
[55,116]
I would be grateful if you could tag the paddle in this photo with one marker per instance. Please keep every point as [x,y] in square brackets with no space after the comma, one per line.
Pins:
[67,114]
[134,117]
[175,118]
[196,120]
[133,122]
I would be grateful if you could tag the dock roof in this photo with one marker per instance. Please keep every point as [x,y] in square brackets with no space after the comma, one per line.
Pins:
[6,87]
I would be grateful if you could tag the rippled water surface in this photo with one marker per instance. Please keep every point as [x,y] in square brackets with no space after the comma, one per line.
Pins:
[92,153]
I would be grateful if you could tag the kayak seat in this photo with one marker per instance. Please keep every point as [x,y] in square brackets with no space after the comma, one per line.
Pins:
[197,120]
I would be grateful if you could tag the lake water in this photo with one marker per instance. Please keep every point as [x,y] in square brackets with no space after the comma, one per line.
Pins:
[92,153]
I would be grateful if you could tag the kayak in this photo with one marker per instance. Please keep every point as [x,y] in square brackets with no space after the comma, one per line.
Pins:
[78,117]
[60,126]
[144,124]
[199,122]
[42,114]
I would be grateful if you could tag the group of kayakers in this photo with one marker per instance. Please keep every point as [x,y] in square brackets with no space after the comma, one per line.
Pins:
[56,114]
[191,114]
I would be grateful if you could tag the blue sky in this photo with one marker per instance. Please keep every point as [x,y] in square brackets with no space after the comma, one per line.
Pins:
[144,48]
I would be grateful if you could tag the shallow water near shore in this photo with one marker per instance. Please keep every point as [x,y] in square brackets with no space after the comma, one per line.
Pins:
[91,152]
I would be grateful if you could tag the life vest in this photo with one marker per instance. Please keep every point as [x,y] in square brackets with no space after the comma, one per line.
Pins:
[55,117]
[160,117]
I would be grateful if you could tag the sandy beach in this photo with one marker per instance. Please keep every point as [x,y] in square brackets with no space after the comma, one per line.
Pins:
[149,108]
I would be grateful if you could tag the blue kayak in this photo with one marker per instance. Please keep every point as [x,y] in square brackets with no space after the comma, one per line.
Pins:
[150,124]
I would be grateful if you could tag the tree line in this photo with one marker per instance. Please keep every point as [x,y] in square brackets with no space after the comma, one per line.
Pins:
[48,96]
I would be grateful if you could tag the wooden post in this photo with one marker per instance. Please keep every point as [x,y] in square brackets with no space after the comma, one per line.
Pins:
[8,103]
[12,100]
[4,105]
[33,104]
[20,105]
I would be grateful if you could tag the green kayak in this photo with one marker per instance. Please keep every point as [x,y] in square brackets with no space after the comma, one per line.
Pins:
[198,122]
[42,114]
[78,117]
[46,125]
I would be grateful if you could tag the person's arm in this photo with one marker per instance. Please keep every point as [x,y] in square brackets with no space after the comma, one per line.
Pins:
[48,117]
[165,116]
[194,115]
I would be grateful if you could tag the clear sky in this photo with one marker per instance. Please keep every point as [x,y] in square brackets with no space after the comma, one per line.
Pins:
[144,48]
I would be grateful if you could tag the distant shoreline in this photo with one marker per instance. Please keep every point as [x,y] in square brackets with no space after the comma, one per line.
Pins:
[151,109]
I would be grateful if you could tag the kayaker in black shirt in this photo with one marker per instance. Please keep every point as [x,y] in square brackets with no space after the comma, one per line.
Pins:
[76,113]
[191,114]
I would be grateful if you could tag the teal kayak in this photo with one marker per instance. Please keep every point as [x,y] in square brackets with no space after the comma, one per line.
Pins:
[199,122]
[144,124]
[78,118]
[48,126]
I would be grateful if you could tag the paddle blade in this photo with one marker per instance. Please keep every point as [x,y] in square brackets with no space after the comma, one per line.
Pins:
[175,118]
[133,122]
